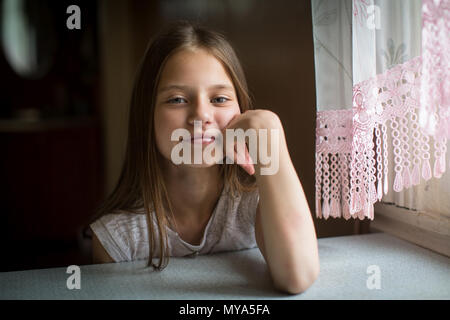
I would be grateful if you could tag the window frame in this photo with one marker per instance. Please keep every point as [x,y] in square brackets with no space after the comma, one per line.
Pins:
[430,230]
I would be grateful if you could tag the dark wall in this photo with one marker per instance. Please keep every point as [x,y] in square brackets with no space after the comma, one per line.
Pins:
[50,164]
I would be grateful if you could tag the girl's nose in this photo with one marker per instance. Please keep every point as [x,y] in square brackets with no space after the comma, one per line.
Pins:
[200,111]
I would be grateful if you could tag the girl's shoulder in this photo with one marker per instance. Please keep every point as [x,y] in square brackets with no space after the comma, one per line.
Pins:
[119,232]
[122,218]
[233,225]
[248,200]
[125,224]
[239,209]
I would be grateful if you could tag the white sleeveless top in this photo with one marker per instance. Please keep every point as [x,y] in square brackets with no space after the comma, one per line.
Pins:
[230,227]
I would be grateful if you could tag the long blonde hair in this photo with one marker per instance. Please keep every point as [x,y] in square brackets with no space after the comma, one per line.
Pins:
[141,184]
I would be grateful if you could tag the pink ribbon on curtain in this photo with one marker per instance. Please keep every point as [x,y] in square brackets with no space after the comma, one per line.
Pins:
[410,103]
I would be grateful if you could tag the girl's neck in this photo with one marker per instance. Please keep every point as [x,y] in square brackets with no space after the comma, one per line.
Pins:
[193,192]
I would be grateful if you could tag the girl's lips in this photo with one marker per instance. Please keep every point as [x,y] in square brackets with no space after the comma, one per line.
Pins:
[204,140]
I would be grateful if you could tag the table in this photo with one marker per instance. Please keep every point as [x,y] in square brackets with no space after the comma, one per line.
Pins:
[404,270]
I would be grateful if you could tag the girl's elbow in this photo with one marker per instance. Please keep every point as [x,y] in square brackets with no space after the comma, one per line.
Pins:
[299,283]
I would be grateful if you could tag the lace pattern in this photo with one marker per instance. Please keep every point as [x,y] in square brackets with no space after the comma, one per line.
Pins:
[404,111]
[333,151]
[435,89]
[352,145]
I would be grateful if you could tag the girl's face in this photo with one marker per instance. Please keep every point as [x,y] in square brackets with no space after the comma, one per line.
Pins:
[193,86]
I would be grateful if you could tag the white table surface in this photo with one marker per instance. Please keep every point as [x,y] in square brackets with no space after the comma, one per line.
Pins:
[407,271]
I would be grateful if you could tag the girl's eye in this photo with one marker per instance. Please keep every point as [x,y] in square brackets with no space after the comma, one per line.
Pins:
[176,100]
[215,100]
[179,100]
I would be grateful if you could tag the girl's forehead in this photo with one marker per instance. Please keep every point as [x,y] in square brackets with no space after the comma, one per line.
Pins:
[191,65]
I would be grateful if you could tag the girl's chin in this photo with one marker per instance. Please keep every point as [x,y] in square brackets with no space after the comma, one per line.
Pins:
[199,166]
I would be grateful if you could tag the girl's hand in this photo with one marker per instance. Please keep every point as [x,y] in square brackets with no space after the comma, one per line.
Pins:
[250,119]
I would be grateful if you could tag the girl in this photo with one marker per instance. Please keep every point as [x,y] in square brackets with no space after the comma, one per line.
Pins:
[192,74]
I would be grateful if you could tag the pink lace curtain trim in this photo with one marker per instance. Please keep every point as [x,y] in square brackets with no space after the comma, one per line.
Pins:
[410,104]
[352,145]
[333,155]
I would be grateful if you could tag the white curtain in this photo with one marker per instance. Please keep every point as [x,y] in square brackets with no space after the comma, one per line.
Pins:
[383,115]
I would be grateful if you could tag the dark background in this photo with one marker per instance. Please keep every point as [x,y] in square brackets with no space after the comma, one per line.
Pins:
[55,170]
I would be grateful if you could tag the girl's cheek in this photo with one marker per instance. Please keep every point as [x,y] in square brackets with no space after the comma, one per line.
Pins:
[227,116]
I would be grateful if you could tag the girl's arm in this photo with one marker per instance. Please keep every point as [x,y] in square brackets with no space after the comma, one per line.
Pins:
[284,227]
[99,254]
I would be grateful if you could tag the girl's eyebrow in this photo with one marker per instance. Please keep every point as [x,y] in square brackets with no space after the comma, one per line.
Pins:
[182,87]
